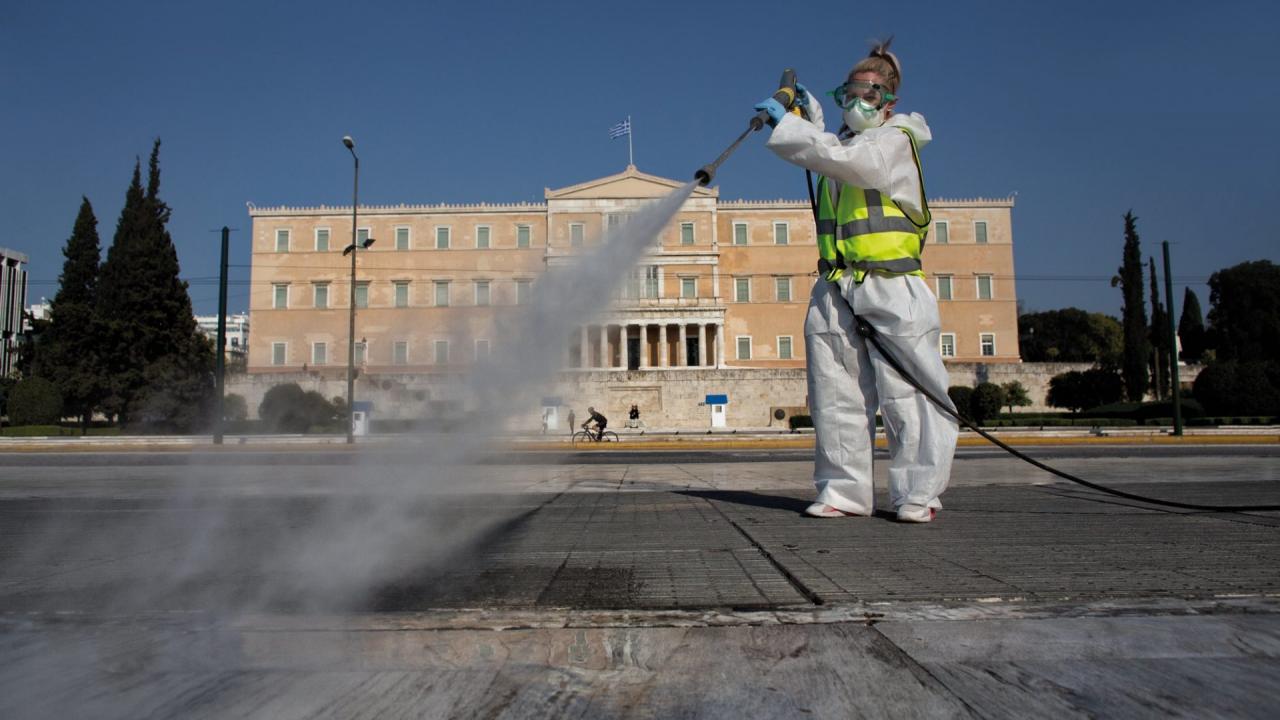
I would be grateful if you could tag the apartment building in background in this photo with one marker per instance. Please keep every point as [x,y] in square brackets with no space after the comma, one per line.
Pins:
[13,299]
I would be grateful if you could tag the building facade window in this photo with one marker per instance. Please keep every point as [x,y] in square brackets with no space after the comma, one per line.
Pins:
[280,296]
[282,241]
[781,233]
[988,343]
[941,233]
[482,292]
[319,353]
[642,283]
[442,238]
[784,347]
[442,293]
[744,347]
[524,289]
[362,294]
[482,349]
[688,287]
[739,233]
[402,238]
[362,352]
[482,237]
[944,287]
[321,295]
[782,289]
[401,293]
[980,232]
[686,233]
[322,239]
[523,236]
[442,352]
[400,352]
[947,344]
[742,290]
[362,236]
[577,231]
[279,353]
[984,287]
[612,220]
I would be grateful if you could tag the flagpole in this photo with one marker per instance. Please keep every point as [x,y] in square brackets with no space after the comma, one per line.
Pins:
[631,156]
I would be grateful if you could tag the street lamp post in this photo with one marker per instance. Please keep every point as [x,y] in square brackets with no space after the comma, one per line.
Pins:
[351,312]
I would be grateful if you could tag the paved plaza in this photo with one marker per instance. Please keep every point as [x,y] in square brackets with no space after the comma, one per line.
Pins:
[338,584]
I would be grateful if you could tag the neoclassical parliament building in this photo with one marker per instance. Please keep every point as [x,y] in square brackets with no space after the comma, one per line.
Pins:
[718,304]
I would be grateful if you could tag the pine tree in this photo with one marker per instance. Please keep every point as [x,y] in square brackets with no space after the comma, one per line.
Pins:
[1133,367]
[1191,328]
[73,347]
[161,366]
[1159,338]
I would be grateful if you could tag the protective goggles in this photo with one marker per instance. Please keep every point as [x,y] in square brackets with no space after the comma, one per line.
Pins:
[872,93]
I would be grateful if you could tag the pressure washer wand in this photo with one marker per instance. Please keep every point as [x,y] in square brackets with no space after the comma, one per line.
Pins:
[786,97]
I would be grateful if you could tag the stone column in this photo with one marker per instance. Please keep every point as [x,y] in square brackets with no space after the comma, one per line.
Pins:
[682,357]
[644,346]
[702,344]
[622,348]
[583,347]
[719,345]
[664,351]
[604,346]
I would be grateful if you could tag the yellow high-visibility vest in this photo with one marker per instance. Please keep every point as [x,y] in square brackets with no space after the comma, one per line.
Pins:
[865,230]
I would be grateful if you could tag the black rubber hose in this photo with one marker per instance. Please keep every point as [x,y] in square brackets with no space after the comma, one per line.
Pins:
[868,332]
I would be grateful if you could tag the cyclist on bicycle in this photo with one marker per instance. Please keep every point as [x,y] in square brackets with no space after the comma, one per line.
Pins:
[600,421]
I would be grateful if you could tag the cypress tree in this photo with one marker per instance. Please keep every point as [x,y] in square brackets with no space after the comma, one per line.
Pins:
[160,365]
[1191,327]
[73,347]
[121,296]
[1133,367]
[1159,338]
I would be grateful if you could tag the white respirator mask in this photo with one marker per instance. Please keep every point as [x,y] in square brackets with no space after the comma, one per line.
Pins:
[862,115]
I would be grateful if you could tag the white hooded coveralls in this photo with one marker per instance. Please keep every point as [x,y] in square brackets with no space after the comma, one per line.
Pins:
[848,378]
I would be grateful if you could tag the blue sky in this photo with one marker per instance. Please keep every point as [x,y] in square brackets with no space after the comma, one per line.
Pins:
[1084,109]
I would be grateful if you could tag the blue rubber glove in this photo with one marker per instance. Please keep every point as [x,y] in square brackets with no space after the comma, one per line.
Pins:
[802,95]
[774,108]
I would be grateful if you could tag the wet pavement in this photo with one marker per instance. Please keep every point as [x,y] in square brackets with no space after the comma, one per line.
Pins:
[278,585]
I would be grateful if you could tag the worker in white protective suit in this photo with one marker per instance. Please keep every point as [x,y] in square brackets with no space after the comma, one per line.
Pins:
[872,219]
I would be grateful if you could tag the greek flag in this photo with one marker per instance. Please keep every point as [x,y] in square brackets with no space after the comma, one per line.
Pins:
[622,128]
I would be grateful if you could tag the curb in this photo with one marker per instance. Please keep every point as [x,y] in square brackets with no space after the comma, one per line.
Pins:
[629,443]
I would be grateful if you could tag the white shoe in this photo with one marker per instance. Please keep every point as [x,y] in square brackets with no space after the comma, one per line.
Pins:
[916,513]
[819,510]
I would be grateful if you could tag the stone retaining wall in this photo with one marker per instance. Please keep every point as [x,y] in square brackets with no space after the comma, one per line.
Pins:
[670,398]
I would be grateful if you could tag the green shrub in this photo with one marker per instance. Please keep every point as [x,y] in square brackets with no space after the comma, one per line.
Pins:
[1076,391]
[288,408]
[985,403]
[1164,408]
[1114,410]
[800,421]
[234,407]
[1250,388]
[35,401]
[960,396]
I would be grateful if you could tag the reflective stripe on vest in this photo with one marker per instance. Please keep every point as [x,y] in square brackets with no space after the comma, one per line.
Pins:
[866,230]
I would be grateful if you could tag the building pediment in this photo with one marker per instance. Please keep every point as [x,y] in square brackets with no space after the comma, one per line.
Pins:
[628,184]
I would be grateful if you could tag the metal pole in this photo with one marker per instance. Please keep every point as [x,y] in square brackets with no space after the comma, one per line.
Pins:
[351,315]
[1173,344]
[220,366]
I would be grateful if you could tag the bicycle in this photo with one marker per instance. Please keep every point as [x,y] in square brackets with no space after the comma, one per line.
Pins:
[586,436]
